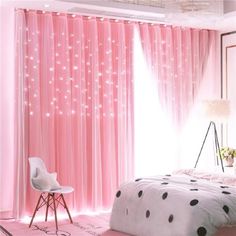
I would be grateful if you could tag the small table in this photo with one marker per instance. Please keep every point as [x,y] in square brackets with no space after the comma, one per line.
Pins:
[229,170]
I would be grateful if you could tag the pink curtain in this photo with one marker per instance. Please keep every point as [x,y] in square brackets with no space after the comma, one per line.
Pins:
[74,105]
[177,58]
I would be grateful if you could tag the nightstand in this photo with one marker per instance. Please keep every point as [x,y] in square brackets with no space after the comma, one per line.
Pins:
[229,170]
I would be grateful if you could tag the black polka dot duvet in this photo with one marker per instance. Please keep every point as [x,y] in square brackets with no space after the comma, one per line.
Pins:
[174,205]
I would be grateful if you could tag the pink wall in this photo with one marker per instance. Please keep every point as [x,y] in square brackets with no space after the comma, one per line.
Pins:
[6,103]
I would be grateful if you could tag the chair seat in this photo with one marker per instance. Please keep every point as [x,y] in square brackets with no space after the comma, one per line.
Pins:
[63,189]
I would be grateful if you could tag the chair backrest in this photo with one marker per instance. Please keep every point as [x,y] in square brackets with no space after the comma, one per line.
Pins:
[35,162]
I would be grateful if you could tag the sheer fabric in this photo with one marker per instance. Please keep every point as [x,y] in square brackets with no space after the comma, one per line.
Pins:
[177,58]
[175,68]
[74,100]
[74,104]
[6,110]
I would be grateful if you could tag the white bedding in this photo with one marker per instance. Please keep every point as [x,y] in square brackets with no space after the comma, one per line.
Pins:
[174,205]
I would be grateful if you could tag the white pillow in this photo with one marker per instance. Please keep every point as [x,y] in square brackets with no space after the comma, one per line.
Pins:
[45,181]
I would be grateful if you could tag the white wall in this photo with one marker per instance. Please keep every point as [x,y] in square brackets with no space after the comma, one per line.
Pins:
[6,103]
[229,84]
[229,6]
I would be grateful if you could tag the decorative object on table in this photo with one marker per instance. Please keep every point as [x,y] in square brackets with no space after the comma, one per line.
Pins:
[215,111]
[228,154]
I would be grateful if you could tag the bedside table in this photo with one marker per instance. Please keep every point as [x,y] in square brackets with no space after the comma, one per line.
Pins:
[230,170]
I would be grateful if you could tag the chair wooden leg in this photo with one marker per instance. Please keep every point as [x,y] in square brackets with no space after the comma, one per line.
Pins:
[35,210]
[50,196]
[62,197]
[55,209]
[48,200]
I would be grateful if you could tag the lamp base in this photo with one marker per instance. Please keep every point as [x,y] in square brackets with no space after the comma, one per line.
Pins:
[217,145]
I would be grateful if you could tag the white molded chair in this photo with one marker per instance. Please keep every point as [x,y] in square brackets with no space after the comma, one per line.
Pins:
[50,198]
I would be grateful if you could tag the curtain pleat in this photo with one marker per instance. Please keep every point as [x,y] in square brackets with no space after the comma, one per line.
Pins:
[78,106]
[177,58]
[21,121]
[74,98]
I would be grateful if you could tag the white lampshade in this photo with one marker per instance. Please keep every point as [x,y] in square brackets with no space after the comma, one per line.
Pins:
[216,109]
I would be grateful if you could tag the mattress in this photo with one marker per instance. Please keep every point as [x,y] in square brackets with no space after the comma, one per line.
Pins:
[181,204]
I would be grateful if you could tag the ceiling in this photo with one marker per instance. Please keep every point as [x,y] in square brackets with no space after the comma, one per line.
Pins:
[211,14]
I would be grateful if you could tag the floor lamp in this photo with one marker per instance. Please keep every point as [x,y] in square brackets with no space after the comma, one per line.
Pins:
[215,110]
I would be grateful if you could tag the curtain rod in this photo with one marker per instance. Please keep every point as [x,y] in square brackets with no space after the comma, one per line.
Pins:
[111,17]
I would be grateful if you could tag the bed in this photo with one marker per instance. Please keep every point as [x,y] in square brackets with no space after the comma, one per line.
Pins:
[185,203]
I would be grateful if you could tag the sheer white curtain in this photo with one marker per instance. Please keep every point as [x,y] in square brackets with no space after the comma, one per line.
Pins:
[6,110]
